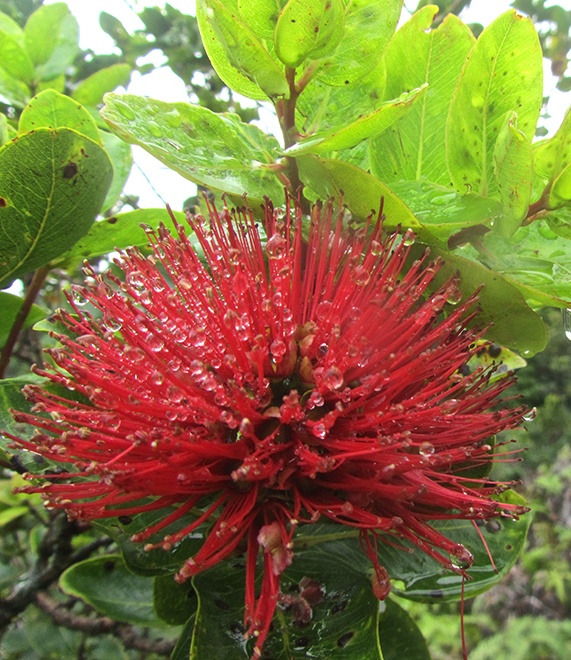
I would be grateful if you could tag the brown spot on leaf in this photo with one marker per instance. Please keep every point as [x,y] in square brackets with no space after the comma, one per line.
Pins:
[112,220]
[70,170]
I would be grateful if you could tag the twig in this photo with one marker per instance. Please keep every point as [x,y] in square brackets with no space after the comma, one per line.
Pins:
[31,295]
[101,625]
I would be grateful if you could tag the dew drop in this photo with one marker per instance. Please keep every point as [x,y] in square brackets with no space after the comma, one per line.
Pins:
[333,378]
[157,378]
[361,276]
[408,237]
[567,322]
[276,247]
[426,449]
[319,430]
[278,348]
[323,310]
[530,415]
[154,129]
[124,110]
[155,343]
[77,297]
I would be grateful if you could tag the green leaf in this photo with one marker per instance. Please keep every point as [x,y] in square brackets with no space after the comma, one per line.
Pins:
[14,91]
[369,25]
[501,306]
[52,184]
[308,29]
[217,151]
[423,579]
[121,157]
[106,584]
[50,109]
[536,260]
[360,191]
[551,157]
[15,60]
[90,91]
[399,634]
[415,146]
[174,603]
[442,210]
[12,513]
[11,397]
[10,306]
[344,625]
[182,648]
[513,165]
[52,39]
[363,128]
[233,48]
[502,74]
[118,232]
[261,16]
[561,191]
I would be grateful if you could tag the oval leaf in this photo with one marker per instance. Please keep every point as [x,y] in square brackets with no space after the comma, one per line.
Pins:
[216,151]
[69,175]
[504,73]
[91,90]
[10,306]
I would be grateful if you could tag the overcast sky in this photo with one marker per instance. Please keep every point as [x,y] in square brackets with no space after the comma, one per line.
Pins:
[163,84]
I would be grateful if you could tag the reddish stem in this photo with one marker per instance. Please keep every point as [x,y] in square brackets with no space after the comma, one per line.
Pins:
[31,295]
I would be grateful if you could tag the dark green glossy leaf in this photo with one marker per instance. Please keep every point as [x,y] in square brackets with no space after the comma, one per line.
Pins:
[182,648]
[217,151]
[503,74]
[415,146]
[10,305]
[174,603]
[513,164]
[52,39]
[501,306]
[69,175]
[90,91]
[365,127]
[369,25]
[11,397]
[236,53]
[399,634]
[51,109]
[106,584]
[119,232]
[308,29]
[423,579]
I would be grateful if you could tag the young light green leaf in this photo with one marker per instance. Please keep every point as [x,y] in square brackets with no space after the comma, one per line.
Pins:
[360,191]
[52,184]
[560,193]
[363,128]
[14,91]
[117,233]
[261,16]
[415,146]
[91,90]
[369,25]
[502,74]
[106,584]
[442,210]
[52,39]
[203,146]
[550,157]
[230,42]
[50,109]
[513,166]
[121,156]
[10,306]
[308,29]
[14,59]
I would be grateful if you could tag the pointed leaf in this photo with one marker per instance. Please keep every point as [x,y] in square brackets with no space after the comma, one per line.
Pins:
[399,634]
[365,127]
[90,91]
[234,49]
[308,29]
[106,584]
[10,306]
[513,164]
[551,157]
[369,25]
[502,74]
[360,191]
[174,603]
[561,191]
[69,175]
[50,109]
[52,39]
[117,233]
[415,146]
[217,151]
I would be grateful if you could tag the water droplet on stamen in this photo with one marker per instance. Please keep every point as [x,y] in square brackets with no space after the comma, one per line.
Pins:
[426,449]
[530,415]
[276,247]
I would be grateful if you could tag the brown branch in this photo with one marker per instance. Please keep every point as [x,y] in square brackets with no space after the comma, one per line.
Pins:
[31,295]
[129,636]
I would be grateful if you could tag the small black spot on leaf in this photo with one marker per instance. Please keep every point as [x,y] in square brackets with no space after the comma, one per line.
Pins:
[125,520]
[3,202]
[112,220]
[345,639]
[109,566]
[221,604]
[70,170]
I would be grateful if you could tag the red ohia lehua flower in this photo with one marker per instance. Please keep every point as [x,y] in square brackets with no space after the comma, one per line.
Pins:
[267,383]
